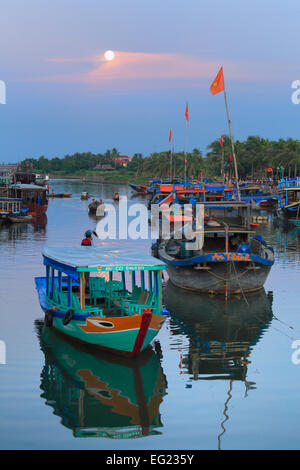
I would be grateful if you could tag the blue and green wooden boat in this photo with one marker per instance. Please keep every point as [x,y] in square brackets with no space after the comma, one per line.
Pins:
[109,298]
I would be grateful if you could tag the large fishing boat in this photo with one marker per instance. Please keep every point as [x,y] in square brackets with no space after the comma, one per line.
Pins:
[83,296]
[232,259]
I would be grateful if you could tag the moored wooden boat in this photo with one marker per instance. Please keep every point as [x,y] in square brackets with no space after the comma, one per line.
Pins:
[61,195]
[232,259]
[82,299]
[139,188]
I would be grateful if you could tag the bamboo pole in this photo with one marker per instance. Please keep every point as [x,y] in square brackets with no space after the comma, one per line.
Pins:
[186,145]
[171,158]
[222,164]
[232,147]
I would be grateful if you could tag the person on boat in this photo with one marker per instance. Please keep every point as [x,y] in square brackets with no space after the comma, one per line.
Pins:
[88,240]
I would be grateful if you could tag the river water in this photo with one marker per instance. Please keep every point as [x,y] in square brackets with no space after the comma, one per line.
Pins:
[218,376]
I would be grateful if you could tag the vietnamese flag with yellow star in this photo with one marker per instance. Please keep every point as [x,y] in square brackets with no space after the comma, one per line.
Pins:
[218,83]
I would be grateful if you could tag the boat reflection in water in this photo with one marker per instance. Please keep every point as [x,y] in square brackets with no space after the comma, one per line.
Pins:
[221,334]
[99,395]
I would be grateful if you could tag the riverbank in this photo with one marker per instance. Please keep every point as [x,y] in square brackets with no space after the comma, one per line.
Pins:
[103,177]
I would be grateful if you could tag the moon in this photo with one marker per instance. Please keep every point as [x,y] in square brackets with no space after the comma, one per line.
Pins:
[109,55]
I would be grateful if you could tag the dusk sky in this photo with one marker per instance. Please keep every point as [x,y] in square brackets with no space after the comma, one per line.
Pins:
[63,97]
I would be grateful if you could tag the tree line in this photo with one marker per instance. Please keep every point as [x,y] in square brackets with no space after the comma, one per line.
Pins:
[254,156]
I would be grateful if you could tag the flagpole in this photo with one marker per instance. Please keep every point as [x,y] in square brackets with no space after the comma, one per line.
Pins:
[186,137]
[186,145]
[174,162]
[222,164]
[171,155]
[232,147]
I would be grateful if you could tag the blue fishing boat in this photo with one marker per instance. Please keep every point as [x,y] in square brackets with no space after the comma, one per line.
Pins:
[232,258]
[108,298]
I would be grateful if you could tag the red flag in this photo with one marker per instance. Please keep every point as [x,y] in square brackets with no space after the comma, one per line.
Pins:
[170,136]
[221,140]
[218,83]
[187,112]
[202,172]
[198,176]
[230,158]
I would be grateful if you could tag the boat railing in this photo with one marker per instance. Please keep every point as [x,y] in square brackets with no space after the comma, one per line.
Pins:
[289,183]
[10,206]
[112,293]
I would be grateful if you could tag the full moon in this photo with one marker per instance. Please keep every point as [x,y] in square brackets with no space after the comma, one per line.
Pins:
[109,55]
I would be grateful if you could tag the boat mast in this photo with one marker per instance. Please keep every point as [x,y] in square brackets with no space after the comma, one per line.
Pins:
[232,146]
[186,138]
[171,157]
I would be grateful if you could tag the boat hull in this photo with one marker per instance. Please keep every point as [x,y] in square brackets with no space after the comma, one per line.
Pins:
[220,278]
[125,335]
[36,209]
[127,339]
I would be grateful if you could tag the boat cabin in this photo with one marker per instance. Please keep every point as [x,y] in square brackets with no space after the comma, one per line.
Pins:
[102,281]
[226,229]
[288,192]
[34,198]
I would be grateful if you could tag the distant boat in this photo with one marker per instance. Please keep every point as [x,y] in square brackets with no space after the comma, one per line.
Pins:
[41,180]
[61,195]
[139,188]
[84,195]
[108,315]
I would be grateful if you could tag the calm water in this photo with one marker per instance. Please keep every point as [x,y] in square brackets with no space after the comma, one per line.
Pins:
[218,376]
